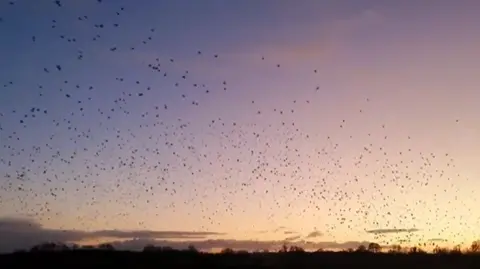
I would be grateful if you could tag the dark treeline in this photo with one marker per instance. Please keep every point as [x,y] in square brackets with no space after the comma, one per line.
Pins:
[105,256]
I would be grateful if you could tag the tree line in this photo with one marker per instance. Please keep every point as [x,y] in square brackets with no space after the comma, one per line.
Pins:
[474,248]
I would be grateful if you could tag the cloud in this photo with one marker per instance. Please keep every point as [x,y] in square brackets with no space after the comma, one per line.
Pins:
[437,240]
[279,228]
[365,19]
[150,234]
[282,229]
[322,39]
[7,224]
[24,233]
[293,238]
[387,231]
[314,234]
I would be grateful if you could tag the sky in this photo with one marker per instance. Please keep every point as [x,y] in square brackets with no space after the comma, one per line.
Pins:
[244,124]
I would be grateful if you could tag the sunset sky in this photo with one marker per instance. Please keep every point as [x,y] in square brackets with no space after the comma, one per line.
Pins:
[258,122]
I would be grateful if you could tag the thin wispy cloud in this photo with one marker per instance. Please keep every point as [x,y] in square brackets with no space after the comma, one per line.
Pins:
[293,238]
[314,234]
[388,231]
[279,228]
[437,240]
[150,234]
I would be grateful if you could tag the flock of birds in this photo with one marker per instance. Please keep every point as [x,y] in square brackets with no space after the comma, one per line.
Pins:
[136,152]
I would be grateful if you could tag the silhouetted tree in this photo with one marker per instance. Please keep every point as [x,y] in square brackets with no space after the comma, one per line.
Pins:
[166,249]
[475,247]
[50,246]
[227,251]
[374,247]
[361,248]
[284,248]
[416,250]
[41,247]
[63,247]
[106,247]
[456,250]
[192,248]
[150,248]
[296,249]
[440,250]
[395,249]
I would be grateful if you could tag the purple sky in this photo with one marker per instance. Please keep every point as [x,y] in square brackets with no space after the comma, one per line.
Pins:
[320,118]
